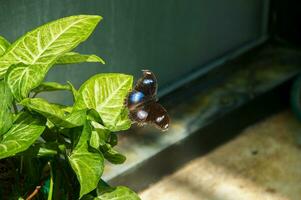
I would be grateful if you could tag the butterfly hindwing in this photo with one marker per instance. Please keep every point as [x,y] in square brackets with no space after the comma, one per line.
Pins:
[153,113]
[157,115]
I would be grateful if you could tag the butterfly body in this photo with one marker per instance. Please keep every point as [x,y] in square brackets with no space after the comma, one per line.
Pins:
[142,103]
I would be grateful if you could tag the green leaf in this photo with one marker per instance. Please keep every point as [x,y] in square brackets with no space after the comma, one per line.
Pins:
[93,116]
[123,121]
[73,90]
[50,86]
[21,79]
[44,45]
[4,44]
[6,115]
[99,135]
[88,166]
[55,113]
[24,132]
[112,155]
[116,193]
[48,150]
[106,94]
[113,139]
[74,57]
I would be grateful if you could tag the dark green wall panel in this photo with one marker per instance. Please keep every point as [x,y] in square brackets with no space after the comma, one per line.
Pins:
[174,38]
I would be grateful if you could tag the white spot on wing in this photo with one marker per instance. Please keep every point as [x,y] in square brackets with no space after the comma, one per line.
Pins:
[159,119]
[141,114]
[147,81]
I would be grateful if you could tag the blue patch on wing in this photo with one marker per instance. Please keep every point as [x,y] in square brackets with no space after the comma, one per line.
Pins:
[148,81]
[136,97]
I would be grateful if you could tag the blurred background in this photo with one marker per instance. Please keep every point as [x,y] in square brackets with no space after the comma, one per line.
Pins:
[228,75]
[175,39]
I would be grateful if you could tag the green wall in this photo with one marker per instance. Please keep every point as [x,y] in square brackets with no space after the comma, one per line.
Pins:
[174,38]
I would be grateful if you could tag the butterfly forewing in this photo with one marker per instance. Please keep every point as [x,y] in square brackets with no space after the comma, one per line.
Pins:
[147,84]
[145,90]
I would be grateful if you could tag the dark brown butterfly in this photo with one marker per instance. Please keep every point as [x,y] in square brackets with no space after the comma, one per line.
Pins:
[142,103]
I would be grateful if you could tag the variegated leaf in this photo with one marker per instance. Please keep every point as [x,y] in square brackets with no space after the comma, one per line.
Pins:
[21,79]
[4,44]
[74,57]
[116,193]
[55,113]
[88,166]
[50,86]
[44,45]
[24,132]
[6,115]
[106,94]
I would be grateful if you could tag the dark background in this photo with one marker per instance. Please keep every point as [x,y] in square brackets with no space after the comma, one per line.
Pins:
[177,39]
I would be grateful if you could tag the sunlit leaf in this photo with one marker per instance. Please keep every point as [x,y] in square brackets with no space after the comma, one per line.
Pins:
[106,94]
[73,90]
[4,44]
[116,193]
[88,166]
[123,121]
[93,116]
[50,86]
[22,78]
[6,115]
[74,57]
[99,135]
[23,133]
[44,45]
[112,155]
[55,113]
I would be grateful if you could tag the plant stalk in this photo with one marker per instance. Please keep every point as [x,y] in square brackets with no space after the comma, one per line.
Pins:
[51,183]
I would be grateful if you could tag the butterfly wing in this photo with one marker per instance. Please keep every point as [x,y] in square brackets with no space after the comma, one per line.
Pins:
[144,90]
[147,84]
[152,113]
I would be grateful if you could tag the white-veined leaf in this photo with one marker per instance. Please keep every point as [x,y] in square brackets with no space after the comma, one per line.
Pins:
[73,90]
[116,193]
[74,57]
[112,155]
[6,115]
[50,86]
[88,166]
[55,113]
[99,135]
[4,44]
[24,132]
[123,121]
[106,94]
[45,44]
[21,79]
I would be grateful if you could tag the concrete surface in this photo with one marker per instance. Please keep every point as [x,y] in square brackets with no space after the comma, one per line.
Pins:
[262,163]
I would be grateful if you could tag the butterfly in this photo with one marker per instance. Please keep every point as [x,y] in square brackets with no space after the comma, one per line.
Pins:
[142,103]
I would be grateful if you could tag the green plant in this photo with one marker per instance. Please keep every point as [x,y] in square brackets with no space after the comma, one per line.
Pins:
[51,151]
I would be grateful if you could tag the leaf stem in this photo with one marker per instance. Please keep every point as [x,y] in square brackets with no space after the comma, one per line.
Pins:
[51,183]
[21,164]
[34,193]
